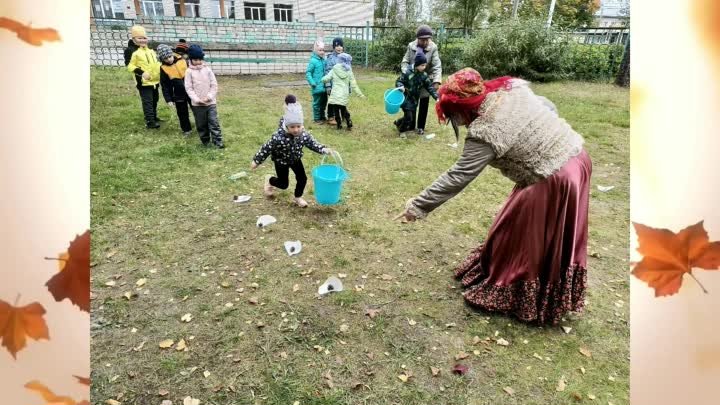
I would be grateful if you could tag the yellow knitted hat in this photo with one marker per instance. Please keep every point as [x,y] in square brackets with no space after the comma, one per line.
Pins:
[137,31]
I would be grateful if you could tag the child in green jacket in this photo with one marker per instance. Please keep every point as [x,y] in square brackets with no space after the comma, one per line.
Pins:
[343,79]
[314,74]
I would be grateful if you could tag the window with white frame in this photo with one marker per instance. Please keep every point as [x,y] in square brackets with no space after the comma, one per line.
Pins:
[152,8]
[229,9]
[187,8]
[107,9]
[255,11]
[283,12]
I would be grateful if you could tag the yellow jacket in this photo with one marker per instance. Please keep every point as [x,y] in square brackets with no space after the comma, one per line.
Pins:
[145,60]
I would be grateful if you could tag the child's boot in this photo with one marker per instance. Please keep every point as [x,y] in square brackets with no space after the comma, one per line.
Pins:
[300,202]
[269,188]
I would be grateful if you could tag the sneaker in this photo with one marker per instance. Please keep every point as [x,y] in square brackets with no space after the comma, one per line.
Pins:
[219,145]
[349,129]
[300,202]
[420,131]
[187,133]
[403,135]
[153,125]
[319,122]
[331,121]
[269,188]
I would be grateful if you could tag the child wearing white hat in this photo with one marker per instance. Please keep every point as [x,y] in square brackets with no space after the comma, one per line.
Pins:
[285,147]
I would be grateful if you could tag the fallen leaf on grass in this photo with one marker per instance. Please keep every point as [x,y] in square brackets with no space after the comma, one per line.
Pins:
[166,344]
[503,342]
[113,402]
[372,313]
[566,329]
[110,284]
[181,345]
[296,288]
[163,393]
[386,277]
[577,397]
[585,352]
[191,401]
[582,370]
[141,282]
[435,371]
[561,384]
[460,369]
[461,356]
[344,328]
[166,402]
[509,390]
[537,356]
[412,322]
[186,318]
[206,374]
[476,340]
[592,397]
[253,300]
[138,348]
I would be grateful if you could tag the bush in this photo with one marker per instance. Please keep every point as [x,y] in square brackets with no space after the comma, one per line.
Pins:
[595,62]
[389,47]
[519,48]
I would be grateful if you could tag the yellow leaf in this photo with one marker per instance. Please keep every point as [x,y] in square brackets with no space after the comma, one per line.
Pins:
[585,352]
[509,390]
[141,282]
[186,318]
[561,384]
[166,343]
[403,377]
[181,345]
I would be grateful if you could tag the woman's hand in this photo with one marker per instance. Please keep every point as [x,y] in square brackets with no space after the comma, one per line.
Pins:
[406,217]
[402,89]
[253,165]
[327,151]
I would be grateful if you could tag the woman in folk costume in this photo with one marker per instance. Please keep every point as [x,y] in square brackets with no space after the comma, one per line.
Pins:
[533,262]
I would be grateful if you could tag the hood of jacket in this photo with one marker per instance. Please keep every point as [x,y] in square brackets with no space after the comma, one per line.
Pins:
[340,71]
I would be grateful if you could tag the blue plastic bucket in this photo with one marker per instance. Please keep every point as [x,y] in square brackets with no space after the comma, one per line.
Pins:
[393,100]
[328,180]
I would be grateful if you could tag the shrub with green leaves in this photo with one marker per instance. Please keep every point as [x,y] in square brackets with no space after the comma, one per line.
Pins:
[520,48]
[595,62]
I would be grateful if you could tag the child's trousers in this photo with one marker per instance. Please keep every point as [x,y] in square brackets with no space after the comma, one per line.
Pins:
[149,97]
[183,113]
[282,179]
[319,103]
[407,122]
[207,123]
[340,112]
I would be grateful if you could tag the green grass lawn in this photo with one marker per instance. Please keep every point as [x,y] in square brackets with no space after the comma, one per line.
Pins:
[162,211]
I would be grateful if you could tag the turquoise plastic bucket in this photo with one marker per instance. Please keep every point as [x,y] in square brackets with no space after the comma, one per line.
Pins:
[393,100]
[328,180]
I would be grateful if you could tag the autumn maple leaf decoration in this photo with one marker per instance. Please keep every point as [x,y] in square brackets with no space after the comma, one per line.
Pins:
[50,396]
[668,256]
[17,324]
[33,36]
[73,280]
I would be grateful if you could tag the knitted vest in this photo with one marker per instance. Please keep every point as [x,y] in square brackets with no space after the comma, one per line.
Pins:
[529,140]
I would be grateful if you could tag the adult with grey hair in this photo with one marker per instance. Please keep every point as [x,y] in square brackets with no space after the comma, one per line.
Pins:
[423,43]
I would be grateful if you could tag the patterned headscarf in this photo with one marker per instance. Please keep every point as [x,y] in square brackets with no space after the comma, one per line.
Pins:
[345,60]
[464,92]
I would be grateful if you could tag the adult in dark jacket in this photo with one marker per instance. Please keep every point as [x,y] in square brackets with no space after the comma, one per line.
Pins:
[429,48]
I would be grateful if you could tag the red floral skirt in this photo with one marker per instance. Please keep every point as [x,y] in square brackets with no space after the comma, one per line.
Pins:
[533,262]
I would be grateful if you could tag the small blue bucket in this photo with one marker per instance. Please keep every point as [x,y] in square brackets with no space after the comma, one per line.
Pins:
[328,180]
[393,100]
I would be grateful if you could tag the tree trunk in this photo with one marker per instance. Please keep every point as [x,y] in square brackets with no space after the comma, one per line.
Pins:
[623,76]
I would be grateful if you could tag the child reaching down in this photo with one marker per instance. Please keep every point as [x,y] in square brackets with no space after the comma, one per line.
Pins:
[412,83]
[286,149]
